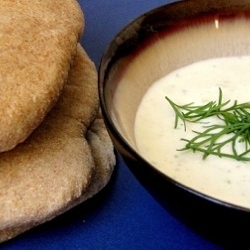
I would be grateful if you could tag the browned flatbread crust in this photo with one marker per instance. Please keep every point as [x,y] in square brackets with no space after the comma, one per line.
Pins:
[103,154]
[37,45]
[62,163]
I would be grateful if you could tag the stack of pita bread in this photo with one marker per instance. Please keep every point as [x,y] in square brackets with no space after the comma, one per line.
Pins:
[54,149]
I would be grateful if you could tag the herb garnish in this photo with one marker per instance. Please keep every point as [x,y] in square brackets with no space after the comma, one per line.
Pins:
[235,127]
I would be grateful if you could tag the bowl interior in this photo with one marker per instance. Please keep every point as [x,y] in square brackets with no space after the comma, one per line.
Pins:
[162,41]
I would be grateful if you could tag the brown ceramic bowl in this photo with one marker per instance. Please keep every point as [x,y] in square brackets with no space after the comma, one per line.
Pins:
[137,56]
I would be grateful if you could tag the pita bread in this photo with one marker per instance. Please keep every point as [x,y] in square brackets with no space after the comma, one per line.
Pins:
[38,43]
[67,159]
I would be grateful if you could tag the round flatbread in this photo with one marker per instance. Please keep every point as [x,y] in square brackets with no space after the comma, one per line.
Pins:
[67,159]
[37,45]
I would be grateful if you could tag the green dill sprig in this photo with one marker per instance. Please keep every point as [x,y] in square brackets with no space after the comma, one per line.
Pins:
[214,138]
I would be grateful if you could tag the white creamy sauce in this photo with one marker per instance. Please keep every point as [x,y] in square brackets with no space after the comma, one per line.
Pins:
[158,141]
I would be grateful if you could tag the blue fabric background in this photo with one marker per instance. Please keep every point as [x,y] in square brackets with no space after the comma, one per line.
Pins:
[124,216]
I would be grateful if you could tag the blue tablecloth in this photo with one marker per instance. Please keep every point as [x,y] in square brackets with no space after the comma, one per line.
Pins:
[124,216]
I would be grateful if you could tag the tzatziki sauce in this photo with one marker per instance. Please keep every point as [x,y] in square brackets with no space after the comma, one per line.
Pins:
[158,141]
